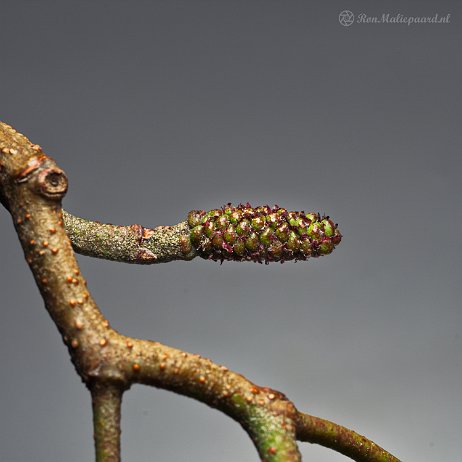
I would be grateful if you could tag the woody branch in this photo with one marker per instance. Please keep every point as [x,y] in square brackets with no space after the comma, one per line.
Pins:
[31,189]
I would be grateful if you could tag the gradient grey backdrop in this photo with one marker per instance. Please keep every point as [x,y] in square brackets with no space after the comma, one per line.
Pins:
[155,108]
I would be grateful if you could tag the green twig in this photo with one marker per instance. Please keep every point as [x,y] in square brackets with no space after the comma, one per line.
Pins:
[106,401]
[331,435]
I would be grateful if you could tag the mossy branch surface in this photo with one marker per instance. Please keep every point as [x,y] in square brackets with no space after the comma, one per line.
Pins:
[31,189]
[130,244]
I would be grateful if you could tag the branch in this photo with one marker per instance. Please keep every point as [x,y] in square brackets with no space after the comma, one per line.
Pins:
[242,233]
[349,443]
[129,244]
[267,416]
[31,188]
[106,401]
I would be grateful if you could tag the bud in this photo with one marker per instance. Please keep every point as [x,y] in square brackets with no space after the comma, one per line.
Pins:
[195,218]
[261,234]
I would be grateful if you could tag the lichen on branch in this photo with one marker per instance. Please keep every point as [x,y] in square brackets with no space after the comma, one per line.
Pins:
[129,244]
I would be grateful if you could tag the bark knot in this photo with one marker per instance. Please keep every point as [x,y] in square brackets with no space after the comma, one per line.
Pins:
[52,183]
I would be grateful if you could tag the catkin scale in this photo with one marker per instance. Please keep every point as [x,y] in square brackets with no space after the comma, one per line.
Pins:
[261,234]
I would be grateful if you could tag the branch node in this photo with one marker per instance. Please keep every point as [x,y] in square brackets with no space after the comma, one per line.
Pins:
[52,183]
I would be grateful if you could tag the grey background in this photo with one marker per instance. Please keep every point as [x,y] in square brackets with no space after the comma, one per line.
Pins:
[155,108]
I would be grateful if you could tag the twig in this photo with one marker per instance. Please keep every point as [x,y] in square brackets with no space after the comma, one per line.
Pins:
[106,400]
[129,244]
[237,233]
[349,443]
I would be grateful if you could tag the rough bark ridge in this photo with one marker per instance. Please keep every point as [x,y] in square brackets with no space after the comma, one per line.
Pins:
[31,189]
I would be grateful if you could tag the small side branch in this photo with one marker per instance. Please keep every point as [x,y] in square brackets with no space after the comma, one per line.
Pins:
[349,443]
[129,244]
[243,233]
[106,401]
